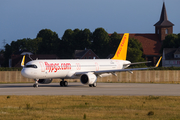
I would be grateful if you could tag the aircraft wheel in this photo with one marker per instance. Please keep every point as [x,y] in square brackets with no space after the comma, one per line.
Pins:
[65,83]
[35,85]
[95,84]
[61,83]
[90,85]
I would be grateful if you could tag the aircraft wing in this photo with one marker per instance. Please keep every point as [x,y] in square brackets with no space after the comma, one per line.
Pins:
[122,70]
[111,71]
[137,63]
[129,70]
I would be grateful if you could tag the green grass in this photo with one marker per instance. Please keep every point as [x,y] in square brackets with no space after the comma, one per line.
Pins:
[89,107]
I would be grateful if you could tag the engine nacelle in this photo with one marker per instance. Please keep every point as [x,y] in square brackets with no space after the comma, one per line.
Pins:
[45,81]
[88,78]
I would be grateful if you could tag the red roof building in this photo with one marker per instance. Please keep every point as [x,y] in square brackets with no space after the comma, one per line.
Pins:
[151,43]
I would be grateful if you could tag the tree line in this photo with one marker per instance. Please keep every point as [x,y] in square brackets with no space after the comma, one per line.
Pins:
[48,42]
[171,41]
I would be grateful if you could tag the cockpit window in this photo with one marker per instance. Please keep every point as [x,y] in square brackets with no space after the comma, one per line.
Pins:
[30,66]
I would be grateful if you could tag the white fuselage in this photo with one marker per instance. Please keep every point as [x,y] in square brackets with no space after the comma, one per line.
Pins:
[45,69]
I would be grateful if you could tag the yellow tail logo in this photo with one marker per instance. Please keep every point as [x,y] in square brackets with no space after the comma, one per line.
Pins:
[122,49]
[22,62]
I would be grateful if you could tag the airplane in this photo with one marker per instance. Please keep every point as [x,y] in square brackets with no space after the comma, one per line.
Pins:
[87,70]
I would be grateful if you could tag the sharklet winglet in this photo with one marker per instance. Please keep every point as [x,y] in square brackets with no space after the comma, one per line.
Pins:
[157,64]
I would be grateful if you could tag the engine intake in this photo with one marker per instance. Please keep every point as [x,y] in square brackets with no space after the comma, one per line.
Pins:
[45,81]
[88,78]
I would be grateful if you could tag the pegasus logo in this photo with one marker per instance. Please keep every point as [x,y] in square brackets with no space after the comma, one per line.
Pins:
[121,46]
[54,67]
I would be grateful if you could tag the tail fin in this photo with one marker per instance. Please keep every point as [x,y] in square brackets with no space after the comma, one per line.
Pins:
[22,62]
[122,49]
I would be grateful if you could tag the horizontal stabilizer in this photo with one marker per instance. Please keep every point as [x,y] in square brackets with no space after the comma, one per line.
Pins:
[137,63]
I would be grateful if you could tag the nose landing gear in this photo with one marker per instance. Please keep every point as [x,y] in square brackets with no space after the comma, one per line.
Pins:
[36,83]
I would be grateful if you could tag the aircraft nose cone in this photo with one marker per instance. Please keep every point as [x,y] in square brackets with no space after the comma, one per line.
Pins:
[25,73]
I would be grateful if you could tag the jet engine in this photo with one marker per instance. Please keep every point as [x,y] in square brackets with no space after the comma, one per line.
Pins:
[88,78]
[45,81]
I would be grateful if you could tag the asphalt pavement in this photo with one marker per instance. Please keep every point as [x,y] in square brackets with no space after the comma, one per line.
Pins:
[115,89]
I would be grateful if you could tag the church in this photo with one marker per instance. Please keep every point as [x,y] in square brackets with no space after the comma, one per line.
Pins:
[151,43]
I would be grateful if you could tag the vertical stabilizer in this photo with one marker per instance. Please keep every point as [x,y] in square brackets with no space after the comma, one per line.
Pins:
[122,49]
[22,62]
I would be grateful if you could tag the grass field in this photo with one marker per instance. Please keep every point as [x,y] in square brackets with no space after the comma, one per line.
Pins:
[89,107]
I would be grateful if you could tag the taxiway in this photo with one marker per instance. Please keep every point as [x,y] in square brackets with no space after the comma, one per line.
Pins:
[115,89]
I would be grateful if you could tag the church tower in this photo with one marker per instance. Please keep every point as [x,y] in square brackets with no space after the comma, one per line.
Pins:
[163,27]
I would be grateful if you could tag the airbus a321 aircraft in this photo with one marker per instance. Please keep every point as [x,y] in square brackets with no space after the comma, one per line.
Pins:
[87,70]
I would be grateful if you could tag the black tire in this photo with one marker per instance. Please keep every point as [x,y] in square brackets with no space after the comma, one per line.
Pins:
[61,83]
[65,83]
[35,85]
[95,84]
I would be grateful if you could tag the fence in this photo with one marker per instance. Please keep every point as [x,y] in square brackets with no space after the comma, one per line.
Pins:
[148,76]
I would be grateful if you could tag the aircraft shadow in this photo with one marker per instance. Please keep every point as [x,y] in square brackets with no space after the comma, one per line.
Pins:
[60,86]
[31,85]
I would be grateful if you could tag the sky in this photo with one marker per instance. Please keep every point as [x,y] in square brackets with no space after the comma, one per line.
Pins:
[25,18]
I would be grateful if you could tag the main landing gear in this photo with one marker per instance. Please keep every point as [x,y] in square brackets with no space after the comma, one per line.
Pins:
[63,83]
[93,85]
[36,83]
